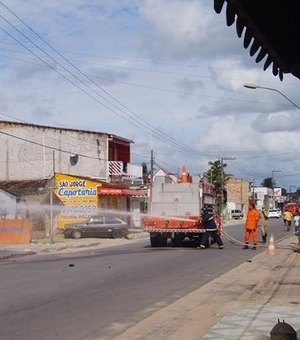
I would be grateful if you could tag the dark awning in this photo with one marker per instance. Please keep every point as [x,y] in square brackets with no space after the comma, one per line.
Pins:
[271,29]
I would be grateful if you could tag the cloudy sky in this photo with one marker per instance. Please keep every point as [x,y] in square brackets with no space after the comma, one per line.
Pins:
[167,74]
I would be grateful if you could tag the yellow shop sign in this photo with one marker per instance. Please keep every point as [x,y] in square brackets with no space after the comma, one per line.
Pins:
[78,196]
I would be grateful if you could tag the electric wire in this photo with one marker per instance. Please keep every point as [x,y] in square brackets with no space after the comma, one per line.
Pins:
[142,121]
[180,145]
[69,80]
[151,87]
[49,147]
[77,138]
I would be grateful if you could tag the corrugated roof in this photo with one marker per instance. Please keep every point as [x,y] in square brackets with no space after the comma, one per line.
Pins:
[26,187]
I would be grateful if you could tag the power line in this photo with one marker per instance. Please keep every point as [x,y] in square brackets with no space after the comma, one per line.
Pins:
[141,122]
[151,87]
[138,123]
[156,132]
[80,80]
[77,138]
[50,147]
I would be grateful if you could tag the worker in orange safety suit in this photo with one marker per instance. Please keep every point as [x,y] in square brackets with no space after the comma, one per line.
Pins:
[251,227]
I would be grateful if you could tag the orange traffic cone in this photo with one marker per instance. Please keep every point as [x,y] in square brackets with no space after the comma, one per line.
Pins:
[271,247]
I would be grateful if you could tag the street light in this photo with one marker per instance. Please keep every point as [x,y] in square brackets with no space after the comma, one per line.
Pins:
[254,87]
[273,198]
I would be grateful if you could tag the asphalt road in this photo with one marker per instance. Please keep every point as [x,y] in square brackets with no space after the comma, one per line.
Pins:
[98,294]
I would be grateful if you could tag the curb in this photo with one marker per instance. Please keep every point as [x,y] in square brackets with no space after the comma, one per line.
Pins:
[42,247]
[15,255]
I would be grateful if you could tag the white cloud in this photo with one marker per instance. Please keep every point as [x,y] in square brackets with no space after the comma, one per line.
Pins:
[281,122]
[182,22]
[183,29]
[146,54]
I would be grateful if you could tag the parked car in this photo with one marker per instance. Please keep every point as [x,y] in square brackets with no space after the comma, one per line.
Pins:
[237,214]
[274,213]
[97,226]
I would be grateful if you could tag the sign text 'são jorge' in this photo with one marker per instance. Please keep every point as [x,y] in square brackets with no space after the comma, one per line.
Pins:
[79,197]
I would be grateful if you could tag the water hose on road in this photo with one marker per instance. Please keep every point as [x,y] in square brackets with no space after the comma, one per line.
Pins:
[240,243]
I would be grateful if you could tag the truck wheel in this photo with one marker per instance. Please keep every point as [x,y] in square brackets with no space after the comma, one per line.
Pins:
[158,240]
[176,242]
[163,240]
[154,241]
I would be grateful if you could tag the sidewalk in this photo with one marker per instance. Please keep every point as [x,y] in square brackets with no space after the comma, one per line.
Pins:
[272,294]
[61,244]
[243,304]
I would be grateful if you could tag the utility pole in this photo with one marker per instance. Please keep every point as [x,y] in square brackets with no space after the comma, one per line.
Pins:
[51,240]
[151,179]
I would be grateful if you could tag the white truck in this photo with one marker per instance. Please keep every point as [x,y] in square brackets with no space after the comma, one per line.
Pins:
[175,210]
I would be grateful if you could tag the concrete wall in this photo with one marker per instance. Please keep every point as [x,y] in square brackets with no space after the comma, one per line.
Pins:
[238,193]
[22,161]
[175,199]
[8,205]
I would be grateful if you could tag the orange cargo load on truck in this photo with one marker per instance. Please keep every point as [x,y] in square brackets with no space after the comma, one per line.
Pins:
[164,222]
[175,228]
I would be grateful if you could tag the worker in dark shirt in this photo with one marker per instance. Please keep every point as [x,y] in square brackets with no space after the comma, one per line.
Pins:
[211,230]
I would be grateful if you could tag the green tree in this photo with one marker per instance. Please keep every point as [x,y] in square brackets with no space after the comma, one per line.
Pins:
[216,175]
[268,182]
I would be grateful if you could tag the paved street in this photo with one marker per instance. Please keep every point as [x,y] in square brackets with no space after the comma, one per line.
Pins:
[130,291]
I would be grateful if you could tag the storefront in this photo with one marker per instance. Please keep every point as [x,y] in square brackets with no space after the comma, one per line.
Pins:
[124,202]
[82,197]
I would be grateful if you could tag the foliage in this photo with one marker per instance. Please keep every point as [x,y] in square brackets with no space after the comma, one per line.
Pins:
[218,177]
[216,173]
[268,182]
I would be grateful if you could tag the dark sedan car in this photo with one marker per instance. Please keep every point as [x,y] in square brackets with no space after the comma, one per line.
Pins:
[97,226]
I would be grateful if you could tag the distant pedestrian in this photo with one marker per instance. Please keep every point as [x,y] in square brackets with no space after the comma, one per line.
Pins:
[283,217]
[287,217]
[212,230]
[263,216]
[251,227]
[297,226]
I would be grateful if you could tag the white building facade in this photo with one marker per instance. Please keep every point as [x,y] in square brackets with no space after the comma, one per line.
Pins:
[30,152]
